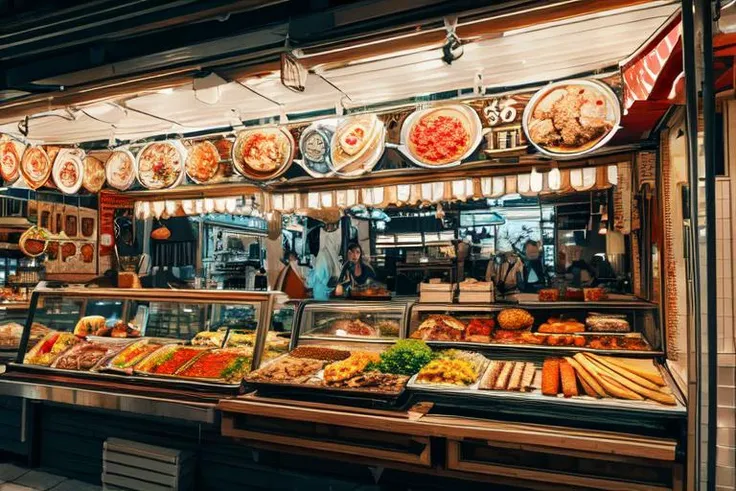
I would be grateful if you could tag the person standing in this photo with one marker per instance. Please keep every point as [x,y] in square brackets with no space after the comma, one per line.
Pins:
[355,271]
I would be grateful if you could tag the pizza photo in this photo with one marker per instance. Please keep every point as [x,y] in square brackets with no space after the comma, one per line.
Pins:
[35,167]
[120,169]
[94,174]
[160,165]
[203,161]
[68,172]
[357,144]
[10,160]
[572,117]
[263,153]
[441,136]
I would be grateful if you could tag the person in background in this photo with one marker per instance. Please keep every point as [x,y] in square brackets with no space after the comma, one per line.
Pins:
[603,269]
[535,274]
[320,278]
[356,271]
[580,271]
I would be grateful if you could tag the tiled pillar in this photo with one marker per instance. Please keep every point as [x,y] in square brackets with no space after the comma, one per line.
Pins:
[725,288]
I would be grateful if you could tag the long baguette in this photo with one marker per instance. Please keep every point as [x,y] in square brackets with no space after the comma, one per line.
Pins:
[589,379]
[569,381]
[551,377]
[624,372]
[515,379]
[651,375]
[609,384]
[617,389]
[502,381]
[527,377]
[655,395]
[587,388]
[489,379]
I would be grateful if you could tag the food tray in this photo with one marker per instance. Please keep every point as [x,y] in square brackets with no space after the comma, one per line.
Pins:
[112,349]
[156,359]
[536,396]
[128,368]
[307,387]
[236,353]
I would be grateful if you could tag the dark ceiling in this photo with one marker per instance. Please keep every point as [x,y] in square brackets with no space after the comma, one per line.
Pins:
[49,44]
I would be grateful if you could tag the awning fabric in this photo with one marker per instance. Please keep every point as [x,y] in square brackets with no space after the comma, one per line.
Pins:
[526,184]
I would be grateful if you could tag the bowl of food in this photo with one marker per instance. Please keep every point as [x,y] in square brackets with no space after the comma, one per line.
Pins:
[441,136]
[571,118]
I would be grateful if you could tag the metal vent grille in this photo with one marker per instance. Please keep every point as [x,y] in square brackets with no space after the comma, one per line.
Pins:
[134,466]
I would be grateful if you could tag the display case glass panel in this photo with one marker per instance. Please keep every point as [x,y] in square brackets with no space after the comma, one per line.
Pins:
[353,321]
[177,335]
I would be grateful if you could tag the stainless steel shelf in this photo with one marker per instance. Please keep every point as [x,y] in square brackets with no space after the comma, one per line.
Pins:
[168,408]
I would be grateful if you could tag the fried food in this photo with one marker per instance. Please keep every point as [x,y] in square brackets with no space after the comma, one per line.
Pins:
[569,381]
[440,328]
[479,330]
[352,327]
[515,319]
[448,371]
[287,370]
[319,353]
[551,377]
[561,326]
[350,367]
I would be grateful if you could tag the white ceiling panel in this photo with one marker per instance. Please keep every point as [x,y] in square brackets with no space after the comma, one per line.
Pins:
[531,55]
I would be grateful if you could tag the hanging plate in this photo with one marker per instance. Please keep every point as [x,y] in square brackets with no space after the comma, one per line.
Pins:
[357,145]
[314,146]
[94,174]
[35,167]
[263,153]
[441,136]
[33,242]
[10,153]
[160,165]
[571,118]
[68,172]
[203,162]
[120,169]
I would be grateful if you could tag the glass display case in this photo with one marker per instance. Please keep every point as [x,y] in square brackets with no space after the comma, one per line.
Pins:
[334,351]
[629,327]
[207,339]
[351,321]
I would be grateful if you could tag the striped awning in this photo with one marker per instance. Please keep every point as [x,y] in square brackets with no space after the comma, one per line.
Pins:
[526,184]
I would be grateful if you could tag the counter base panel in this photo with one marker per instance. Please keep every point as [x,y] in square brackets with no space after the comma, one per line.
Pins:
[106,396]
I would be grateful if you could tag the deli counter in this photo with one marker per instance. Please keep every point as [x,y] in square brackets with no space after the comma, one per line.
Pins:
[540,391]
[143,348]
[534,390]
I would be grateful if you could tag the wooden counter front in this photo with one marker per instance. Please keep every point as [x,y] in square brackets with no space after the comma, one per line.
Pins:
[470,448]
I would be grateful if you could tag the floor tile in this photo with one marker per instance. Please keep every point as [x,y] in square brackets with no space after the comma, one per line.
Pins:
[74,485]
[9,486]
[39,480]
[11,472]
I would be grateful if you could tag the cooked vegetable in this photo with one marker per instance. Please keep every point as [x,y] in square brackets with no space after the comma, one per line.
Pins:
[406,357]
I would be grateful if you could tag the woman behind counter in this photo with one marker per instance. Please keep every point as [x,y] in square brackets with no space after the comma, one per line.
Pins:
[356,271]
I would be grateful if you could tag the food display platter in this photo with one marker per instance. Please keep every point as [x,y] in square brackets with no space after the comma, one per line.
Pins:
[11,152]
[314,145]
[357,145]
[593,125]
[160,165]
[472,392]
[315,387]
[263,153]
[68,170]
[465,116]
[120,169]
